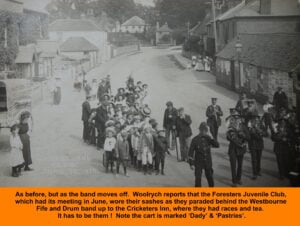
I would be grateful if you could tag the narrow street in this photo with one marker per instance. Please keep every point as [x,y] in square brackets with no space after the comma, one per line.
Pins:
[61,159]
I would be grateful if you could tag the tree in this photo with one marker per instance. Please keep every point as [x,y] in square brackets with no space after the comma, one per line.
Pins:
[177,13]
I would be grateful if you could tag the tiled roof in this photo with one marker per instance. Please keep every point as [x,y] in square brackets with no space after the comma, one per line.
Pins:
[48,48]
[276,51]
[165,28]
[73,25]
[200,28]
[25,54]
[77,44]
[134,21]
[36,5]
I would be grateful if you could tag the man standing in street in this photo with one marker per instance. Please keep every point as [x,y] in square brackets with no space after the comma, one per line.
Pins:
[200,155]
[280,99]
[86,111]
[184,132]
[238,136]
[100,120]
[214,114]
[169,123]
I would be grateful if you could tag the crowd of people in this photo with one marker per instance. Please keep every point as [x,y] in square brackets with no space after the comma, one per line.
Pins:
[121,125]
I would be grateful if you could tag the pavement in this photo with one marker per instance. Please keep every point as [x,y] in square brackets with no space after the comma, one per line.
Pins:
[61,159]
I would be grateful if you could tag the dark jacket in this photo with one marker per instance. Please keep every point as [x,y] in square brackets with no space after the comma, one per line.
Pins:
[183,126]
[280,142]
[101,118]
[170,118]
[200,151]
[86,111]
[160,145]
[211,116]
[238,140]
[280,100]
[256,141]
[101,92]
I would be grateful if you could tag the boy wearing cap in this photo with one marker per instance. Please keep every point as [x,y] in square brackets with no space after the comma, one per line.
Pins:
[169,123]
[200,155]
[214,114]
[122,151]
[160,149]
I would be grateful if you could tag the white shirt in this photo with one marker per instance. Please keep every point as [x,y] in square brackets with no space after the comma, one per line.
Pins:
[109,144]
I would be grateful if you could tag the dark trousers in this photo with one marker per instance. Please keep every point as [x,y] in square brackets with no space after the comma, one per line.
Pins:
[122,162]
[208,173]
[86,131]
[159,160]
[109,160]
[255,160]
[282,158]
[236,163]
[92,134]
[214,130]
[100,138]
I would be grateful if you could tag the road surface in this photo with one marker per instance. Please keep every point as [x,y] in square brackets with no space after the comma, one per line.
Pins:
[61,159]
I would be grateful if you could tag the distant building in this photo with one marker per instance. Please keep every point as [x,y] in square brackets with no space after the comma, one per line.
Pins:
[134,25]
[265,62]
[164,34]
[80,48]
[64,29]
[27,61]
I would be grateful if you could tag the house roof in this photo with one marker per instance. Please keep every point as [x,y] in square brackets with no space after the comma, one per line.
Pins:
[165,28]
[78,44]
[276,51]
[73,25]
[25,54]
[48,49]
[134,21]
[36,5]
[200,28]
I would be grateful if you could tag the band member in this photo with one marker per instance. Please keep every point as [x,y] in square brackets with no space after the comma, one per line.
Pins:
[86,112]
[200,155]
[169,123]
[256,144]
[250,111]
[281,148]
[238,136]
[214,114]
[241,104]
[101,89]
[184,132]
[160,148]
[280,99]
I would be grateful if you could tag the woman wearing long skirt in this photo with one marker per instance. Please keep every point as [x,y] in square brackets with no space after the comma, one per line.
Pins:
[25,138]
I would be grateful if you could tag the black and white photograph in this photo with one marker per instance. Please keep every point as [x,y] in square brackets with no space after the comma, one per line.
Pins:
[149,93]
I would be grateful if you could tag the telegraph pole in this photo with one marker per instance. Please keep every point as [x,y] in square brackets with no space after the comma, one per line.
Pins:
[215,25]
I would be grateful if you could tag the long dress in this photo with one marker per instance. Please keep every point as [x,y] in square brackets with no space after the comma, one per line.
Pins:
[23,132]
[16,151]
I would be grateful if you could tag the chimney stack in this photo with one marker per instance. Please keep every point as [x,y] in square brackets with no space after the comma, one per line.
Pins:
[265,7]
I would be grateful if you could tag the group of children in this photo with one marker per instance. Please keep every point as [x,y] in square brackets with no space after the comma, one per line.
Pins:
[131,135]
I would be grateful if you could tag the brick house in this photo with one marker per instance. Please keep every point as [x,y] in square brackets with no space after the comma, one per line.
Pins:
[254,16]
[265,62]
